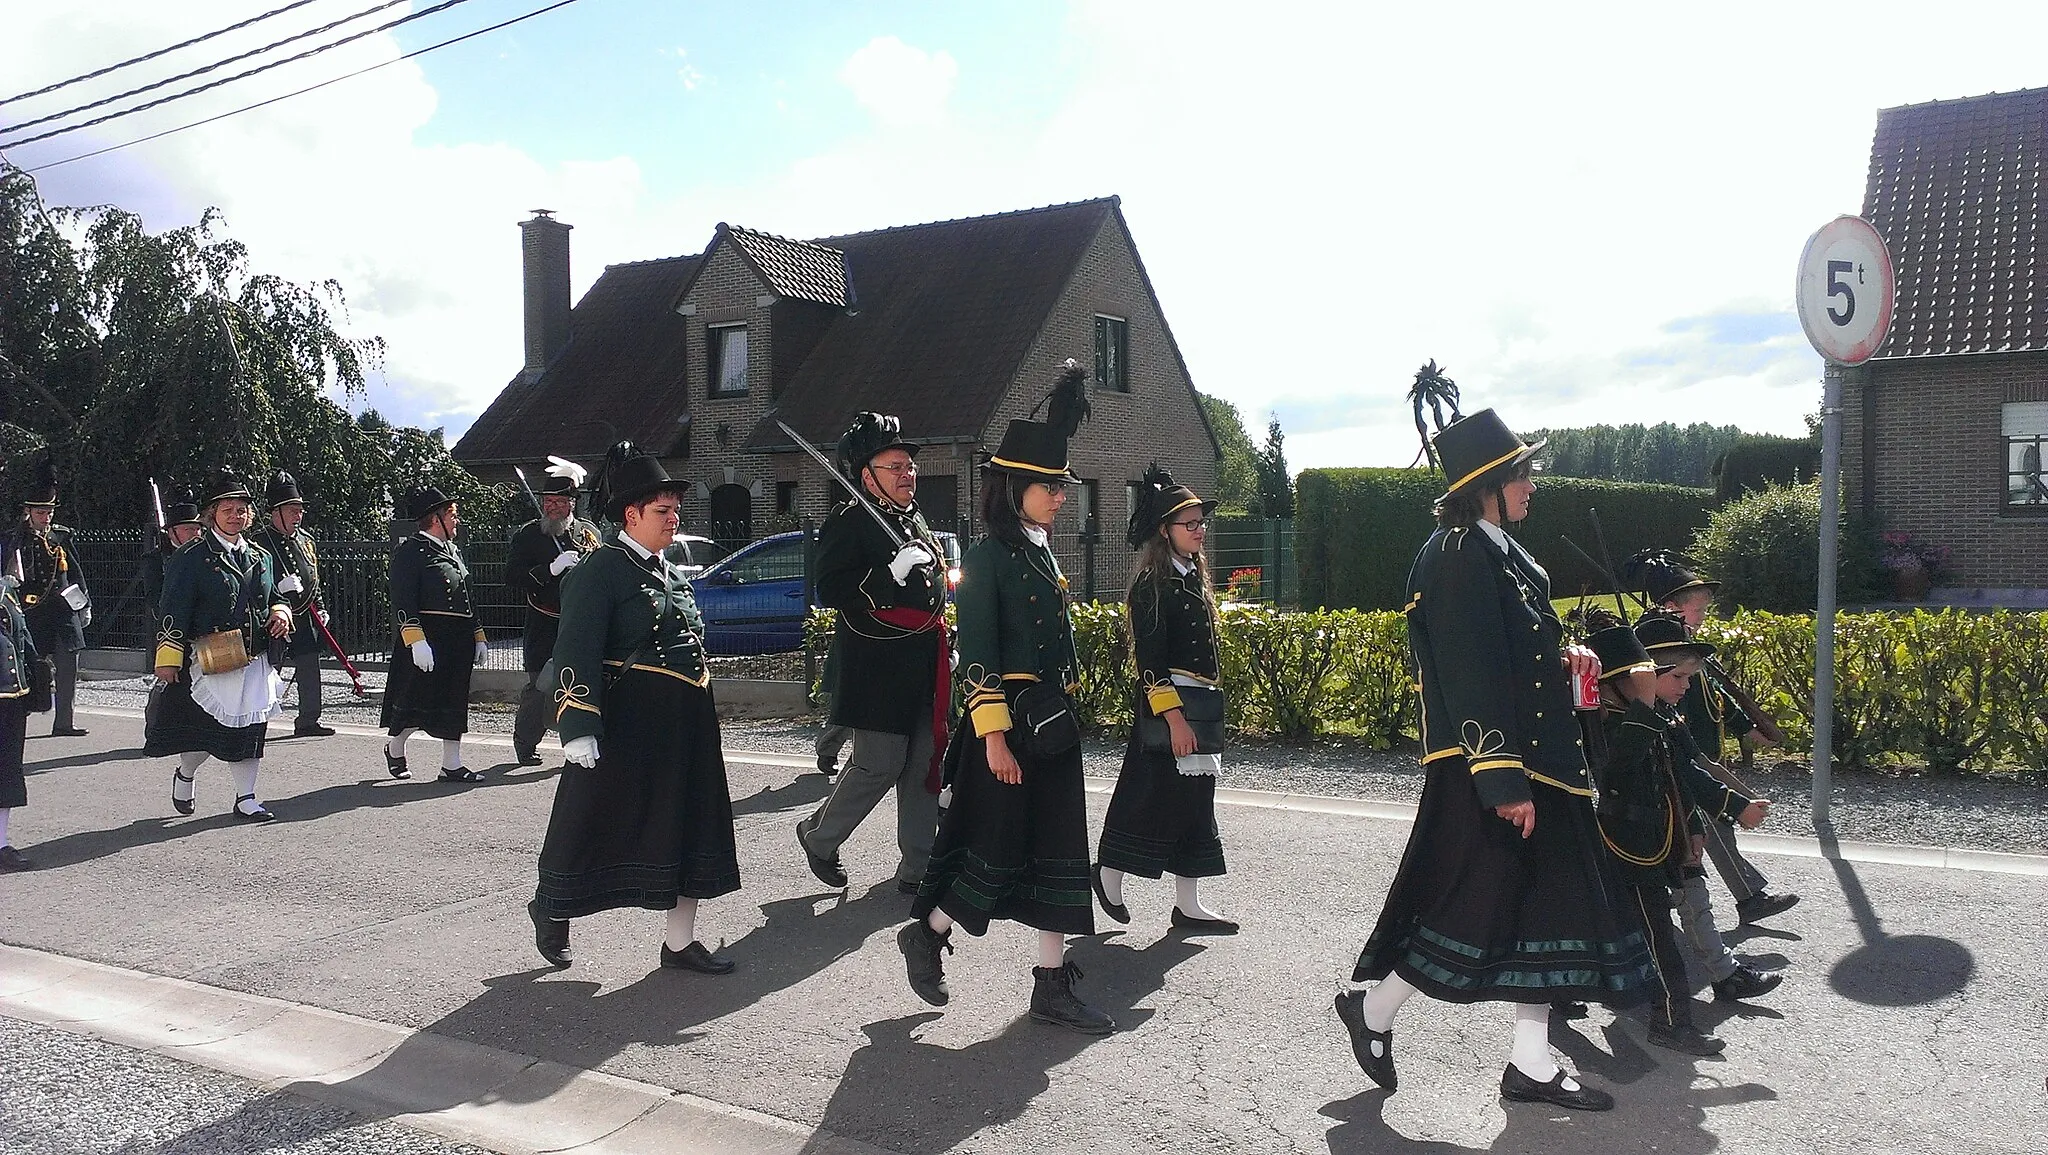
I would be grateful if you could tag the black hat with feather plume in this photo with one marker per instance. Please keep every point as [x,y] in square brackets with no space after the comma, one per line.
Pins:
[627,476]
[182,510]
[42,487]
[1159,498]
[1663,574]
[1666,639]
[870,436]
[1479,449]
[283,490]
[1613,642]
[1038,449]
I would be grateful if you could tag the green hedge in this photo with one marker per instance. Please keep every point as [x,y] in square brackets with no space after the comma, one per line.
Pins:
[1357,530]
[1760,459]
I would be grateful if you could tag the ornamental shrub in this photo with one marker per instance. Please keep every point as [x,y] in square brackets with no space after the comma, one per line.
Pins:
[1764,549]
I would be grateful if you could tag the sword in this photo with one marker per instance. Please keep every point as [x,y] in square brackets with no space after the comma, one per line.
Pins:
[156,500]
[521,475]
[832,471]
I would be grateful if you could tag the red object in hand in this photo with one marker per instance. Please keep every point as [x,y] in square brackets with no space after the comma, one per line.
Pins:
[1586,689]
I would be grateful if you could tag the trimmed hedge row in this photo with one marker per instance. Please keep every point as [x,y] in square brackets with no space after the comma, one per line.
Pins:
[1358,529]
[1957,691]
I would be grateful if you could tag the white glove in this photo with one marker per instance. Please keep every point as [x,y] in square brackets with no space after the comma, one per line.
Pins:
[582,751]
[482,650]
[86,620]
[291,585]
[423,656]
[564,562]
[908,558]
[74,597]
[319,615]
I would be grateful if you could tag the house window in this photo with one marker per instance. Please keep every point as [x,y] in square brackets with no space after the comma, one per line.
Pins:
[785,498]
[1112,353]
[2025,426]
[1091,510]
[728,360]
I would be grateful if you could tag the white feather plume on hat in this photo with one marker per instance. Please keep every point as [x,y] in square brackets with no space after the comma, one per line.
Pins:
[563,467]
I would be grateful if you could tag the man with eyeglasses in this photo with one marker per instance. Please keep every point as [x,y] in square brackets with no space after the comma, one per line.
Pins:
[889,681]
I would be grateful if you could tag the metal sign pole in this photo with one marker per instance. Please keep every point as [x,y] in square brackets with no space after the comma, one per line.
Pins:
[1824,605]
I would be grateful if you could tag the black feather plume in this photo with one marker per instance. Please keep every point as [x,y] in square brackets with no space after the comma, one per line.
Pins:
[1068,402]
[1144,506]
[607,473]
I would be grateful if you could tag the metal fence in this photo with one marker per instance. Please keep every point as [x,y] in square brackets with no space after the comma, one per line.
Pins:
[754,606]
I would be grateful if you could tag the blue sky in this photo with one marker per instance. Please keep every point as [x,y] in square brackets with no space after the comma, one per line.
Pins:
[1584,212]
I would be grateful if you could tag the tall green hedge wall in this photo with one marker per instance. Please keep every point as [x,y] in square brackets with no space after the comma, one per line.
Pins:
[1357,530]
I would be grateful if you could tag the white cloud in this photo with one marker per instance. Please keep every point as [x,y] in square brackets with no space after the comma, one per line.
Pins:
[899,85]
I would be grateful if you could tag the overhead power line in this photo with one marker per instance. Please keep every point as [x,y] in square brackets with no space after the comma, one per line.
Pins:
[95,75]
[300,92]
[329,27]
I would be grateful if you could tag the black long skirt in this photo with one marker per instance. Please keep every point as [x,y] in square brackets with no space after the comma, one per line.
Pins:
[181,726]
[437,702]
[13,745]
[1160,820]
[1477,913]
[652,821]
[1017,852]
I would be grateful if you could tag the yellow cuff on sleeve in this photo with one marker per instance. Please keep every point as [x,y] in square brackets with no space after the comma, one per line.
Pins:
[1496,764]
[990,718]
[480,635]
[170,654]
[1162,698]
[411,634]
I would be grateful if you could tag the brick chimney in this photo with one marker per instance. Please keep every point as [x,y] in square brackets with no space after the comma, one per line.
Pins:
[544,247]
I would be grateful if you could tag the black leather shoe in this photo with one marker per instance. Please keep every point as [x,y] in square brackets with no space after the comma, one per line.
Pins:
[183,806]
[829,767]
[12,860]
[526,757]
[550,936]
[921,946]
[1687,1039]
[314,730]
[828,870]
[1521,1088]
[66,732]
[1193,925]
[1745,983]
[461,774]
[695,958]
[1568,1012]
[257,815]
[1115,910]
[396,767]
[1053,1001]
[1758,907]
[1374,1050]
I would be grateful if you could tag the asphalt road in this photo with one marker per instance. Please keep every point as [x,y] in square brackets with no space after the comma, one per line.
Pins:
[1912,1019]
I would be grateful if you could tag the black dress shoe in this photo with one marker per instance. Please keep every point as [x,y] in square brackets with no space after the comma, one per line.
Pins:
[1758,907]
[461,774]
[828,870]
[1746,983]
[396,767]
[550,936]
[12,860]
[526,757]
[908,885]
[695,958]
[1686,1039]
[1523,1089]
[312,730]
[829,767]
[1115,910]
[1377,1061]
[184,805]
[66,732]
[257,815]
[1193,925]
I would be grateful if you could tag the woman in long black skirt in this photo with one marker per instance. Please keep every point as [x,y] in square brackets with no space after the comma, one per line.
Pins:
[1162,818]
[18,693]
[1013,839]
[1502,894]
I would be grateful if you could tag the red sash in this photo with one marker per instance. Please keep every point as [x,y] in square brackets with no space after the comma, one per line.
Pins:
[918,621]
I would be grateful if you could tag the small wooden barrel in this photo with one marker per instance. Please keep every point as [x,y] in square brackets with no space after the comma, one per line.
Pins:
[222,653]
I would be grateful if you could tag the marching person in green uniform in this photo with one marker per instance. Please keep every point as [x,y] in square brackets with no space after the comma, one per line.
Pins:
[53,591]
[181,524]
[439,639]
[1162,818]
[22,692]
[542,551]
[1712,716]
[1502,894]
[215,653]
[889,657]
[642,815]
[1013,842]
[298,579]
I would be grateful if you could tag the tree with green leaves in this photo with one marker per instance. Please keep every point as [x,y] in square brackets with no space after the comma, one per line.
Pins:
[1433,391]
[131,355]
[1237,479]
[1276,486]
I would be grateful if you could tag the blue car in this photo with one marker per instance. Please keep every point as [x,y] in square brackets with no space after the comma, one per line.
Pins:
[756,601]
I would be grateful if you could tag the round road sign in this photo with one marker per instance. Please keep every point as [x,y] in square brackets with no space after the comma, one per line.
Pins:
[1846,290]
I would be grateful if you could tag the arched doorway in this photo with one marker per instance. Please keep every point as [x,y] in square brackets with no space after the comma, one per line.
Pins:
[730,512]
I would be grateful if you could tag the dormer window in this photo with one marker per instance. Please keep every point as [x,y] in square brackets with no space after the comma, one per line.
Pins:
[728,360]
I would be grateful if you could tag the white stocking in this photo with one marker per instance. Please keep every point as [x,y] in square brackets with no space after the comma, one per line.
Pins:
[451,754]
[1384,1001]
[4,812]
[245,782]
[1185,897]
[1113,886]
[682,924]
[1052,949]
[1531,1053]
[188,765]
[939,921]
[396,746]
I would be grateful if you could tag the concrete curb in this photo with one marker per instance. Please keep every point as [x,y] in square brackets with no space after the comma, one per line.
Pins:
[504,1101]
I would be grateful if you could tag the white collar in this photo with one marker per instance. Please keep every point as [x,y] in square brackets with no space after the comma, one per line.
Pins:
[1499,535]
[1185,567]
[1035,534]
[225,543]
[639,551]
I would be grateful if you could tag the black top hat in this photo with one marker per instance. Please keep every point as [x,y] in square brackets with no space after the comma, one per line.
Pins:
[225,487]
[42,489]
[1613,642]
[628,476]
[284,490]
[182,510]
[1663,574]
[1666,639]
[425,503]
[1478,447]
[1159,497]
[565,477]
[870,435]
[1038,450]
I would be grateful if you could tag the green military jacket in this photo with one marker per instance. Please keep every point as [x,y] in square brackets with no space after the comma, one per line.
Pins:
[293,553]
[1172,632]
[1649,789]
[428,576]
[209,588]
[883,673]
[1711,714]
[1013,627]
[618,609]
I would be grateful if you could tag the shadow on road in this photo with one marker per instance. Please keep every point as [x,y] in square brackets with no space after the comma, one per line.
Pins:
[805,790]
[93,759]
[1891,970]
[1538,1129]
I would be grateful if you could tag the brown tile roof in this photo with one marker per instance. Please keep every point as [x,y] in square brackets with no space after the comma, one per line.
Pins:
[1955,190]
[944,314]
[796,269]
[620,376]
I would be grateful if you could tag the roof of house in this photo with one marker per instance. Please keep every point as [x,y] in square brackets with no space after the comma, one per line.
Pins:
[624,361]
[799,269]
[1955,191]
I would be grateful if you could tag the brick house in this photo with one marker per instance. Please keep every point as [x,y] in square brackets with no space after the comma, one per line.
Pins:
[1943,431]
[955,326]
